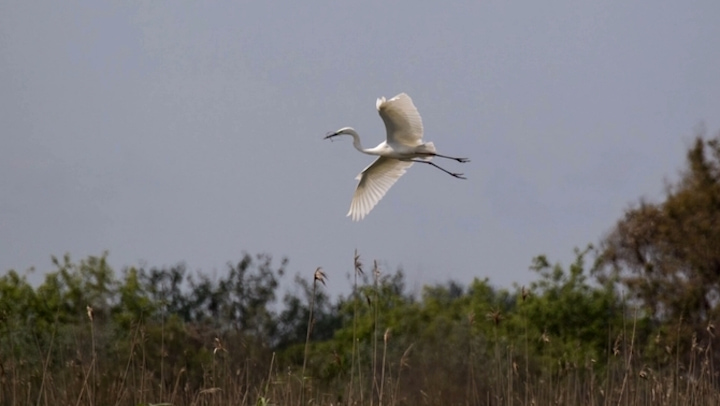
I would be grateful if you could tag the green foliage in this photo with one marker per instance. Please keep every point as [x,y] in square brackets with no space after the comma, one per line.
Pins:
[562,319]
[86,324]
[573,317]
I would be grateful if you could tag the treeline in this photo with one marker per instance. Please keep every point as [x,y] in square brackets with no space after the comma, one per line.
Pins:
[629,322]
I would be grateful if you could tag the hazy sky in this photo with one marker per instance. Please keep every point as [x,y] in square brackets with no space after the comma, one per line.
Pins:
[176,131]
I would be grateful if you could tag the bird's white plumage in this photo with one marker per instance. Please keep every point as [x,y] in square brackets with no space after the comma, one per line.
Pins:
[374,182]
[402,120]
[402,147]
[404,129]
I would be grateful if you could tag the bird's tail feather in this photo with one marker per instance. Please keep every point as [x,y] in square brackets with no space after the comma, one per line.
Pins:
[427,147]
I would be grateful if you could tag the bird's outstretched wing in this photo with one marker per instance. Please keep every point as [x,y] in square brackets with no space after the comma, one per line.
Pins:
[402,120]
[375,181]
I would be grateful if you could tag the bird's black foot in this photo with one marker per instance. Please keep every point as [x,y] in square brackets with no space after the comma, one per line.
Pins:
[463,160]
[458,175]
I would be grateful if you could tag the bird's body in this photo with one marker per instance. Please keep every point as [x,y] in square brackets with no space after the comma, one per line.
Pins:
[402,147]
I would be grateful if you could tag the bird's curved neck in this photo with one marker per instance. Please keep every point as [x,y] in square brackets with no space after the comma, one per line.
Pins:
[356,140]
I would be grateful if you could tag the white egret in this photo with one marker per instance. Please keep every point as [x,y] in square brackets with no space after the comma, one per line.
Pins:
[403,147]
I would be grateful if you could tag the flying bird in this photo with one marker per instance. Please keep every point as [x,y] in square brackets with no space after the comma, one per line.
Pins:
[403,147]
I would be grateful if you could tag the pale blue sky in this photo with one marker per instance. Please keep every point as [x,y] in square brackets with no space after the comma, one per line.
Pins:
[177,131]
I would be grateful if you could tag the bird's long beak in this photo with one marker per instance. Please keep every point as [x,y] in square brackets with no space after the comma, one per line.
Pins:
[330,135]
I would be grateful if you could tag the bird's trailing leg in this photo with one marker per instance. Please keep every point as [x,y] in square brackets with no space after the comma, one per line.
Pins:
[456,175]
[463,160]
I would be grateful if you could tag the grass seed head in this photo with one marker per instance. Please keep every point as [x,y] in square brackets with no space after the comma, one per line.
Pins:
[376,270]
[495,316]
[616,345]
[210,391]
[219,346]
[358,264]
[320,275]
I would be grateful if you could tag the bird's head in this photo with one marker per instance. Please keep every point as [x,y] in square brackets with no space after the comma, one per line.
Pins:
[344,130]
